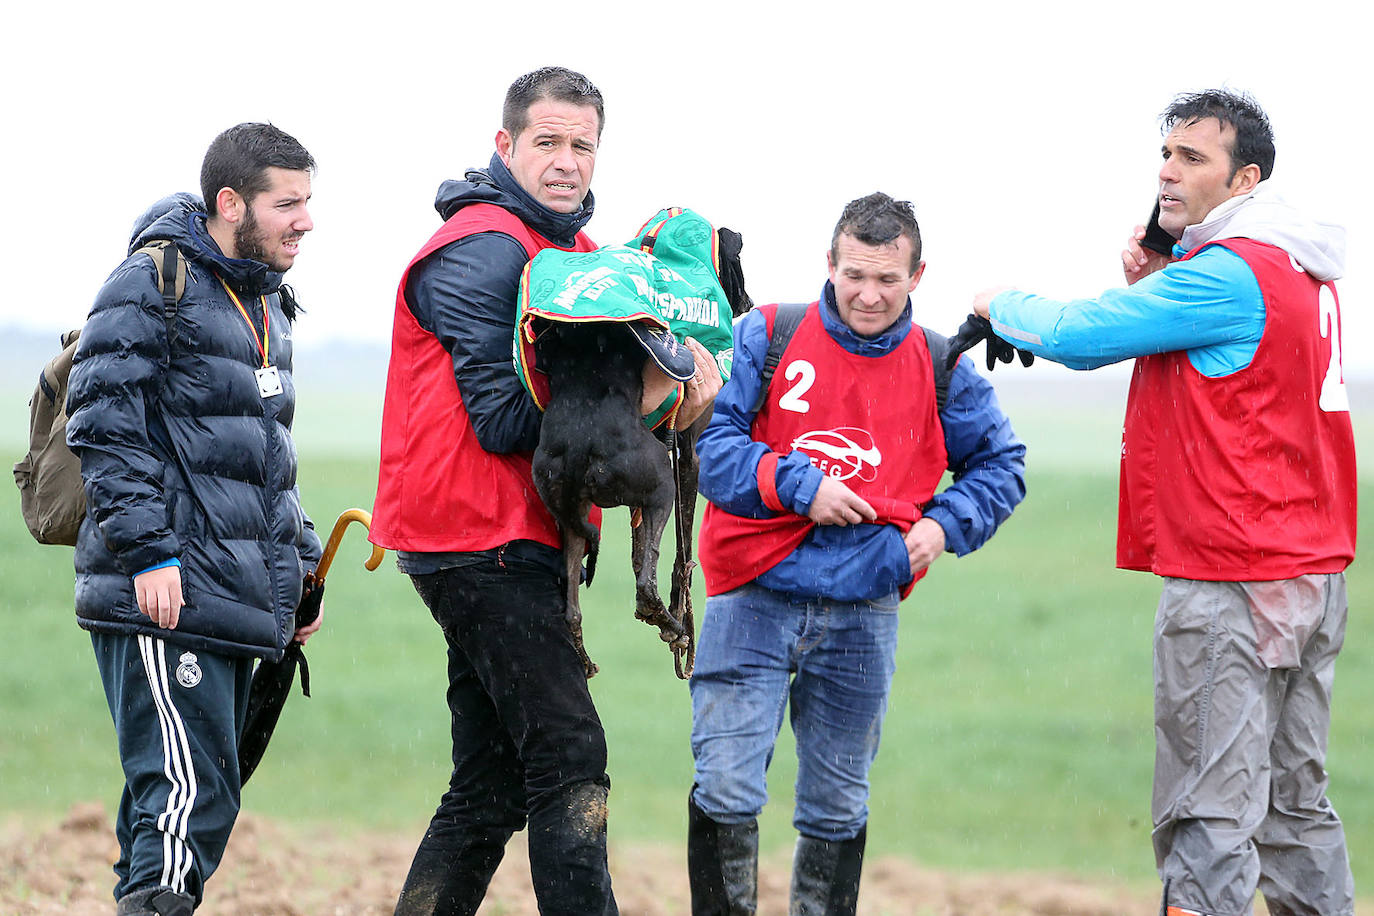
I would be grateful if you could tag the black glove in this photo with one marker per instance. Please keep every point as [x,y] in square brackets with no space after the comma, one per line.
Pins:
[732,270]
[975,329]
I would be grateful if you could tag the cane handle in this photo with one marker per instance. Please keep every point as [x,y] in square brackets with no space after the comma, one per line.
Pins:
[335,536]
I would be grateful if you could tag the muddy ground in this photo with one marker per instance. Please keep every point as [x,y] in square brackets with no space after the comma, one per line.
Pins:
[270,870]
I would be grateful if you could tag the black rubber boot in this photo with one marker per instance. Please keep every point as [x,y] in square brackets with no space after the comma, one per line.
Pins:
[155,901]
[722,865]
[825,876]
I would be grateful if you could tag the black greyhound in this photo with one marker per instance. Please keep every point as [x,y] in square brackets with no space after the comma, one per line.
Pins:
[594,449]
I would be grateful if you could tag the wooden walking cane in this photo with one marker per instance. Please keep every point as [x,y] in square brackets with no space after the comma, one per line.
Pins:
[332,545]
[272,680]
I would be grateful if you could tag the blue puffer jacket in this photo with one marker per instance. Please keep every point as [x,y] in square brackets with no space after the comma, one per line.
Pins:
[180,455]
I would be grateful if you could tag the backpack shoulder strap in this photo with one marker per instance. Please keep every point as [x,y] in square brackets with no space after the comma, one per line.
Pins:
[172,278]
[786,319]
[938,344]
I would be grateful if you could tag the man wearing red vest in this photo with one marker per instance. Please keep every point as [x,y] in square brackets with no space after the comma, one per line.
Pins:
[823,515]
[1238,487]
[456,500]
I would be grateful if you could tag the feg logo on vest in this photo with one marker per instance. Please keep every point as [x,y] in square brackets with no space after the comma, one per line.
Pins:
[841,453]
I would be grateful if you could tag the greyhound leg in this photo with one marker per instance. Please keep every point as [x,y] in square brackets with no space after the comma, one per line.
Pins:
[680,602]
[644,557]
[573,546]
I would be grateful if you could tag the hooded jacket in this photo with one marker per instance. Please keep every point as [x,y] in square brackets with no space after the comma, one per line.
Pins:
[180,455]
[1238,461]
[456,415]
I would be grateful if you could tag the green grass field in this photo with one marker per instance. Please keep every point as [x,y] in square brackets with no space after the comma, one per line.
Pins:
[1019,734]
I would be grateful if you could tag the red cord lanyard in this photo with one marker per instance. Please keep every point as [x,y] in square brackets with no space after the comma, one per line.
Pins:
[263,341]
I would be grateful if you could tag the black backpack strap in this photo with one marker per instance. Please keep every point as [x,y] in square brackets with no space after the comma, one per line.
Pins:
[939,350]
[172,281]
[786,320]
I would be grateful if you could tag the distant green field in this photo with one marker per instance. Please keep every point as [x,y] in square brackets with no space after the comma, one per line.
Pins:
[1019,734]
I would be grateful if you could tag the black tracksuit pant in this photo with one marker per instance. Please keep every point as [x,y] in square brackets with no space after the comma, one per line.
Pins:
[177,716]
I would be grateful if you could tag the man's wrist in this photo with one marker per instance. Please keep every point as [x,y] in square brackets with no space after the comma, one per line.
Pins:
[163,565]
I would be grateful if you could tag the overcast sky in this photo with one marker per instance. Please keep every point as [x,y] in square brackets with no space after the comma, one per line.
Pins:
[1026,134]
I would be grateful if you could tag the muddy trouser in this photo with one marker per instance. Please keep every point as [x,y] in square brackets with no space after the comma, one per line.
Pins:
[527,746]
[177,715]
[1243,677]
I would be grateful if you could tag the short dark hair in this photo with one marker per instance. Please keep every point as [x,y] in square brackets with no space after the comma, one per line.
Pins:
[239,159]
[1254,141]
[557,83]
[878,220]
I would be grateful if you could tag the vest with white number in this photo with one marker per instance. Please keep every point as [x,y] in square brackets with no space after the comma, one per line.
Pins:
[871,422]
[1250,476]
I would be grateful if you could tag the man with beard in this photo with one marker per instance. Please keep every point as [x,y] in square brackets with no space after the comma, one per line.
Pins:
[190,562]
[456,499]
[1238,488]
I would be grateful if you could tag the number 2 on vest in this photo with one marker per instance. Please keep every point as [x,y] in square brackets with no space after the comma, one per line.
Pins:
[1333,397]
[805,375]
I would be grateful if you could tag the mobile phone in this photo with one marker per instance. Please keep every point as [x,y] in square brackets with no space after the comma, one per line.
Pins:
[1156,239]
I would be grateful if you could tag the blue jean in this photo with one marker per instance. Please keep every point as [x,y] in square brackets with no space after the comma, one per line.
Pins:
[834,661]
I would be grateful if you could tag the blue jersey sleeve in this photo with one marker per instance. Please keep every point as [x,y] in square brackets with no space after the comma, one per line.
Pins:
[1209,305]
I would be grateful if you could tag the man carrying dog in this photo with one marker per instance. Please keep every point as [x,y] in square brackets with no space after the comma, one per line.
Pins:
[1238,487]
[456,499]
[191,559]
[823,515]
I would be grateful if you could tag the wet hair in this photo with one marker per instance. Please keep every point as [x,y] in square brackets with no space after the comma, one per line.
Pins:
[1254,141]
[240,157]
[878,220]
[558,84]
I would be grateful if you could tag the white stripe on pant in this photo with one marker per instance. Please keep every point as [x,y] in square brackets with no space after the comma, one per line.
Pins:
[177,765]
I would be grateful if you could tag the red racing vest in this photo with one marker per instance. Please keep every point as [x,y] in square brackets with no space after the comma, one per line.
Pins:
[871,422]
[1250,476]
[438,490]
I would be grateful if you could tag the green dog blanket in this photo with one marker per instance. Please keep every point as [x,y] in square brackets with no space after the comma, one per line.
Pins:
[665,283]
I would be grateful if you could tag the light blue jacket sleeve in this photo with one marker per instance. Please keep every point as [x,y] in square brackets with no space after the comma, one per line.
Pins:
[1209,305]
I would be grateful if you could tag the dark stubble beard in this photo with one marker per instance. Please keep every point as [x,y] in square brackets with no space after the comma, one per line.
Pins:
[249,241]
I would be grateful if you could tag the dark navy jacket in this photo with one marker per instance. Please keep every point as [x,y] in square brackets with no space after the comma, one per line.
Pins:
[465,294]
[181,456]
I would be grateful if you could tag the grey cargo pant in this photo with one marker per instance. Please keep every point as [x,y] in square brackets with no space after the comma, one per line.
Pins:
[1243,675]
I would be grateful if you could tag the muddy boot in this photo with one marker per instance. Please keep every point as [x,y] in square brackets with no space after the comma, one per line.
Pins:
[722,865]
[451,869]
[567,837]
[155,901]
[825,876]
